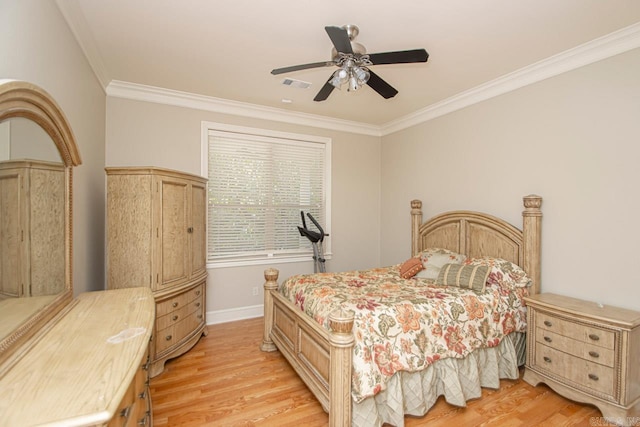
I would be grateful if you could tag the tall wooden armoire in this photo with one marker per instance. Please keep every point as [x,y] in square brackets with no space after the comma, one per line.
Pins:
[156,237]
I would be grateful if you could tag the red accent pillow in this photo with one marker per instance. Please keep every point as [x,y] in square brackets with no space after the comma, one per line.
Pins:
[410,268]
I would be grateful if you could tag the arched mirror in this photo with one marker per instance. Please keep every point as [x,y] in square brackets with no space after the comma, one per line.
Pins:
[37,156]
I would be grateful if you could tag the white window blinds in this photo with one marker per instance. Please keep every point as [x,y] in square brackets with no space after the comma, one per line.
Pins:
[257,187]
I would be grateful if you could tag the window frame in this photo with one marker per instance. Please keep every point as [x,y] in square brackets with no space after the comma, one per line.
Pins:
[265,259]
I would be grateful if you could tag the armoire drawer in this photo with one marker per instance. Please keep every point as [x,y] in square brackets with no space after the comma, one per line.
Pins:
[179,314]
[177,302]
[173,334]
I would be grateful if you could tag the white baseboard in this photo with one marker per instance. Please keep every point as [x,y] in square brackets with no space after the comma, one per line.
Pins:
[233,314]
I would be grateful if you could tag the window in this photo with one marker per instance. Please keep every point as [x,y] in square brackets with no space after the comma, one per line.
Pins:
[259,182]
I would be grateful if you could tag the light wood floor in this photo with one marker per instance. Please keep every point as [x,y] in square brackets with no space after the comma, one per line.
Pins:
[225,380]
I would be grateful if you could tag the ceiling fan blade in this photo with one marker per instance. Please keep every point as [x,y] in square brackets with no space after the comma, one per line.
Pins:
[325,91]
[399,57]
[302,67]
[340,39]
[383,88]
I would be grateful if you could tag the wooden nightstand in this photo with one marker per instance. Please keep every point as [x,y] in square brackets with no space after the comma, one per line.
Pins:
[586,352]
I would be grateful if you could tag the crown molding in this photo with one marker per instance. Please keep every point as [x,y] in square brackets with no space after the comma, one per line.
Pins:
[176,98]
[601,48]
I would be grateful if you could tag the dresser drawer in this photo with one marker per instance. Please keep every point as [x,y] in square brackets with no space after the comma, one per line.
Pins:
[123,415]
[598,378]
[177,302]
[584,350]
[172,335]
[588,334]
[176,316]
[135,407]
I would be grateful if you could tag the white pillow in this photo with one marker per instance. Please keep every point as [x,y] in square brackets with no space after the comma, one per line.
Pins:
[433,259]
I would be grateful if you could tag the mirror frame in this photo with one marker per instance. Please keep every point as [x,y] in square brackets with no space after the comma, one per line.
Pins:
[23,99]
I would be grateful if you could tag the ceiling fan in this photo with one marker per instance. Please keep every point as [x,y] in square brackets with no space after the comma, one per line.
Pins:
[354,62]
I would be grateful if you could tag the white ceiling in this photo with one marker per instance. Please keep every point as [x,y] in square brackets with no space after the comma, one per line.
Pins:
[226,49]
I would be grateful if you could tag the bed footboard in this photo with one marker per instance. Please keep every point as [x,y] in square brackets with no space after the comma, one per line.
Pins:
[321,358]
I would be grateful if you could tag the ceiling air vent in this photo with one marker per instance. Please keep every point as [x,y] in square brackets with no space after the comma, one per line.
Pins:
[296,83]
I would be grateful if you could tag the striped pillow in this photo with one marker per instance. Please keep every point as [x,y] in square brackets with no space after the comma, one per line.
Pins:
[464,276]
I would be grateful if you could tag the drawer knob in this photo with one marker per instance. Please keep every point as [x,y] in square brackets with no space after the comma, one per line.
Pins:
[143,421]
[168,337]
[198,293]
[142,395]
[547,323]
[174,305]
[199,316]
[125,412]
[548,339]
[197,304]
[594,337]
[175,317]
[594,354]
[547,359]
[593,377]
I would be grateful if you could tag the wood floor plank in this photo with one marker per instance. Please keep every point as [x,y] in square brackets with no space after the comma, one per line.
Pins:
[225,380]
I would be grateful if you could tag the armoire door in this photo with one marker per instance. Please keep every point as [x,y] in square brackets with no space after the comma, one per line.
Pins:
[11,230]
[173,232]
[198,235]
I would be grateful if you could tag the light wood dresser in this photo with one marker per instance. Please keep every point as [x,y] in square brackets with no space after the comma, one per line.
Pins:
[90,369]
[586,352]
[156,237]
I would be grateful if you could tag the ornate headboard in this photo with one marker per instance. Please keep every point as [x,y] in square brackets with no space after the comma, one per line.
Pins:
[477,234]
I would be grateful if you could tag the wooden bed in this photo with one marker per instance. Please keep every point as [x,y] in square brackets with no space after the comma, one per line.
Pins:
[323,358]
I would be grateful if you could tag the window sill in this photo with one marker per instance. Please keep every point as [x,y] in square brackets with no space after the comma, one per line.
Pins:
[262,261]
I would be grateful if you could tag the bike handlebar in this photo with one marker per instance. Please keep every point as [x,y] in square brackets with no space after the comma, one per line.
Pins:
[317,225]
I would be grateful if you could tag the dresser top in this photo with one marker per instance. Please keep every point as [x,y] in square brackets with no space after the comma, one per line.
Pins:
[617,316]
[78,373]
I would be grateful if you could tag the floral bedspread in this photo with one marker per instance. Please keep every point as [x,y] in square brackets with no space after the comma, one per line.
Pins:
[405,325]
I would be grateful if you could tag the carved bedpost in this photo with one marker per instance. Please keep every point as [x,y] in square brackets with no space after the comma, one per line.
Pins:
[531,230]
[271,284]
[416,220]
[341,342]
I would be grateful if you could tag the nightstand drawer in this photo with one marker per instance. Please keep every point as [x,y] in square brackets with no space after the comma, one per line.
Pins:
[588,334]
[587,351]
[582,372]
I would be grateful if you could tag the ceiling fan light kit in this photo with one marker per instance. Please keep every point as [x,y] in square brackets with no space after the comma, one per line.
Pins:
[352,71]
[354,62]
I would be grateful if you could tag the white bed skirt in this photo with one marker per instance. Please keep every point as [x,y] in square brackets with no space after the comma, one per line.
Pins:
[458,380]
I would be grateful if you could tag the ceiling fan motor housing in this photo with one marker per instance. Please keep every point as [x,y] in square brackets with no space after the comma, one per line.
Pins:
[357,48]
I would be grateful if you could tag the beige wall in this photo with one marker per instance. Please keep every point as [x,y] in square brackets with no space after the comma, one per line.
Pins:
[37,46]
[572,139]
[142,133]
